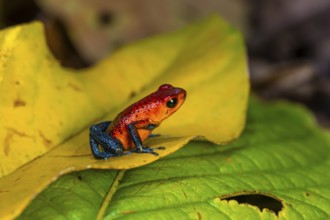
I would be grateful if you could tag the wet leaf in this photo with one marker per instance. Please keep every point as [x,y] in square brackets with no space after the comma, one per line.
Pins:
[281,154]
[206,58]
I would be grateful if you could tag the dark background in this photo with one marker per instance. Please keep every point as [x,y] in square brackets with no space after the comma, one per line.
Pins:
[288,42]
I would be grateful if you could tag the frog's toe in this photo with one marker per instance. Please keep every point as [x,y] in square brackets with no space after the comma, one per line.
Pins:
[155,148]
[146,150]
[154,153]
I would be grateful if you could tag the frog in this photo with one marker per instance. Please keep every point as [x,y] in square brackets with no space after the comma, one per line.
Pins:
[131,127]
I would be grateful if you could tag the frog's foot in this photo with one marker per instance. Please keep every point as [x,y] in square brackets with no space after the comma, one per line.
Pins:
[149,150]
[103,155]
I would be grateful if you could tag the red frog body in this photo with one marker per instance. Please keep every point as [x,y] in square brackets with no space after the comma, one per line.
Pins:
[135,124]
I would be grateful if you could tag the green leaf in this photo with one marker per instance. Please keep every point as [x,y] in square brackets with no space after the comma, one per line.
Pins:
[281,154]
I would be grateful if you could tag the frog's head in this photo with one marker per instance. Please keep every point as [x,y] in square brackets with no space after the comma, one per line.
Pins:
[170,99]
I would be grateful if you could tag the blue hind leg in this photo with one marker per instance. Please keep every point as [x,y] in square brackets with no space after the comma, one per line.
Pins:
[111,146]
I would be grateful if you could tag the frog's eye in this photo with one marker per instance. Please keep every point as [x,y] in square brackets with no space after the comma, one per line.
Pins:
[172,102]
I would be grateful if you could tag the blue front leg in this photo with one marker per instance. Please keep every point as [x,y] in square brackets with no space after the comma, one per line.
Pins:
[111,146]
[139,148]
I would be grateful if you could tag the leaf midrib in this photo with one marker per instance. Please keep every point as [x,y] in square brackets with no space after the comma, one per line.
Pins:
[110,193]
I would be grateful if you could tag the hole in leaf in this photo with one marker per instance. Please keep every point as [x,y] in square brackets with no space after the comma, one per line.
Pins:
[259,200]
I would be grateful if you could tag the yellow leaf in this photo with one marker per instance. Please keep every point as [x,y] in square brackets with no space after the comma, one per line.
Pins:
[43,104]
[207,59]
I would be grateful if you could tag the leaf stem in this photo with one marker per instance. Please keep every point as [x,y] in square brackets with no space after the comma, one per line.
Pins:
[109,195]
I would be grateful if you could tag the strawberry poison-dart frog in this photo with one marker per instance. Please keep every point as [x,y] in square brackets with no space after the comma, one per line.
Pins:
[132,126]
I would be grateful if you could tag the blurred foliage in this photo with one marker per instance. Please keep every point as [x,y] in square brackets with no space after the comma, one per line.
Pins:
[289,54]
